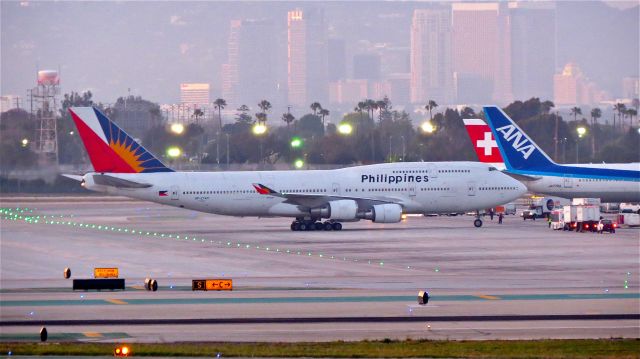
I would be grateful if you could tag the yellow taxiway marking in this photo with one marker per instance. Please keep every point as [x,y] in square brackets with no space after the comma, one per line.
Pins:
[92,335]
[490,297]
[116,301]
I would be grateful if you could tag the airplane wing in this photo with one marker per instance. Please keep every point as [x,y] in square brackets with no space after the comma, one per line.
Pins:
[106,180]
[316,200]
[521,177]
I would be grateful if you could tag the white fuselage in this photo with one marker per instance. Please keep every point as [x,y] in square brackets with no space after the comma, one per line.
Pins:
[608,190]
[418,187]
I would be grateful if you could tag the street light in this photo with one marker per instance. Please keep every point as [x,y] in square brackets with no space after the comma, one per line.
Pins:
[177,128]
[581,131]
[345,129]
[296,142]
[24,142]
[259,129]
[174,152]
[427,127]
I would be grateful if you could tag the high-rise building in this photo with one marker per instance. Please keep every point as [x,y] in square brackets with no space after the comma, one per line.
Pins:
[8,102]
[482,52]
[348,92]
[249,75]
[431,63]
[572,87]
[533,48]
[337,59]
[194,94]
[306,57]
[366,66]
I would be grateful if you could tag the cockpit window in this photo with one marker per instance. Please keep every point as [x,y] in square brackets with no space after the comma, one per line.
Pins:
[492,169]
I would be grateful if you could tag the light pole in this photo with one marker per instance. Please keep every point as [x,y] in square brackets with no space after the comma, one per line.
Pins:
[403,148]
[259,129]
[581,132]
[227,150]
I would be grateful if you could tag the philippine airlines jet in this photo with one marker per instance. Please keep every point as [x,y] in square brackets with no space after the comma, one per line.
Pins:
[380,193]
[525,161]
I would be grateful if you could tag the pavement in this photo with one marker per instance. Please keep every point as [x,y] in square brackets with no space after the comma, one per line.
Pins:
[518,280]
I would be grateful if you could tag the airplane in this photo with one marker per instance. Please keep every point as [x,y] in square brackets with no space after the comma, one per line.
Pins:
[381,193]
[524,160]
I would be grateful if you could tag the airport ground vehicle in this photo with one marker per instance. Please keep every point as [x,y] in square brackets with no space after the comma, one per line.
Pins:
[318,200]
[577,217]
[606,225]
[504,145]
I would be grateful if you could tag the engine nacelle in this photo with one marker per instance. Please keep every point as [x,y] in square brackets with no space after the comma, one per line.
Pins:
[384,213]
[344,209]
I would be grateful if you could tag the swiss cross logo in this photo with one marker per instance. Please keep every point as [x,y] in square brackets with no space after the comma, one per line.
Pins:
[488,143]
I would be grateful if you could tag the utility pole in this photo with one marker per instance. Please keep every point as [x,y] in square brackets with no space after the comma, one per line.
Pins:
[556,139]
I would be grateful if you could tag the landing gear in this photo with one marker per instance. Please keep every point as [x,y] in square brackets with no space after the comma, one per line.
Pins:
[312,225]
[478,222]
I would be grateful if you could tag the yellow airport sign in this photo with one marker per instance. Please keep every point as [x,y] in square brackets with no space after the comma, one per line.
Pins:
[212,284]
[105,272]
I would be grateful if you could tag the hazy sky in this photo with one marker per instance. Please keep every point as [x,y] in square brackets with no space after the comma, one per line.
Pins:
[151,47]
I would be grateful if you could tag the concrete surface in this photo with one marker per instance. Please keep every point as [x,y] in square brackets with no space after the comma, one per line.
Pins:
[520,268]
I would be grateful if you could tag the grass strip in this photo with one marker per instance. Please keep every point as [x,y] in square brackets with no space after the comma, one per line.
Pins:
[561,348]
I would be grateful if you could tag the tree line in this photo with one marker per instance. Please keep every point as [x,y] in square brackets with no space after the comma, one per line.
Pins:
[379,133]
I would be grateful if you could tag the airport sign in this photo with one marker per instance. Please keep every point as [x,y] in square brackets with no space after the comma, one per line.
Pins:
[212,284]
[105,272]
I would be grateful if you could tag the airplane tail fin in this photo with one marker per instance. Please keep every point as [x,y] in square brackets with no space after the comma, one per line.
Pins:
[518,150]
[484,145]
[109,147]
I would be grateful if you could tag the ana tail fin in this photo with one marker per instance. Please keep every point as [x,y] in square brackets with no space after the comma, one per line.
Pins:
[109,147]
[518,150]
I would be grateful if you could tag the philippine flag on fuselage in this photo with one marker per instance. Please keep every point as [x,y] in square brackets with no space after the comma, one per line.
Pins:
[162,193]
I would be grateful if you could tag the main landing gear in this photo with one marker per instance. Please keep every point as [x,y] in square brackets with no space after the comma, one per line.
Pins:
[478,222]
[311,225]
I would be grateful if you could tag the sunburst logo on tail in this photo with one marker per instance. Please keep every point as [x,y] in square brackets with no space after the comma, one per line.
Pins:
[128,154]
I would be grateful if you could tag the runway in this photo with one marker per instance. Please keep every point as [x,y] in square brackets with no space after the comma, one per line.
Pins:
[516,280]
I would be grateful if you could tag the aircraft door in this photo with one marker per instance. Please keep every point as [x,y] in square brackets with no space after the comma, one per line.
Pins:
[471,187]
[433,171]
[175,193]
[411,190]
[568,182]
[335,189]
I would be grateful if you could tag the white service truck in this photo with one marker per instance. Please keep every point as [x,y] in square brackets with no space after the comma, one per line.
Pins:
[583,214]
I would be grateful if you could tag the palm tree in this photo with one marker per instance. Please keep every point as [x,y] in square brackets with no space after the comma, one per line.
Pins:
[620,107]
[315,107]
[575,111]
[382,106]
[596,113]
[265,106]
[370,106]
[262,117]
[547,106]
[288,118]
[431,106]
[323,112]
[197,113]
[220,104]
[631,112]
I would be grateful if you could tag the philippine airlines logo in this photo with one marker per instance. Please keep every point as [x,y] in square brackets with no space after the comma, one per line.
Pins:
[487,143]
[519,142]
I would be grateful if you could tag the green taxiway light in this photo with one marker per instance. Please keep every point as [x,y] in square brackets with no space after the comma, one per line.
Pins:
[296,142]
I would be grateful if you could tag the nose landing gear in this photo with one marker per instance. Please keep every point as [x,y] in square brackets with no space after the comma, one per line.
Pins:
[477,222]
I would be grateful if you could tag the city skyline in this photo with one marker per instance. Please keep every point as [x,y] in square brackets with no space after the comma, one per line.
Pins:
[287,57]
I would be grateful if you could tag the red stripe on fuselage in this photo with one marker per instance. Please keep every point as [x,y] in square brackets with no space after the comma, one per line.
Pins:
[103,158]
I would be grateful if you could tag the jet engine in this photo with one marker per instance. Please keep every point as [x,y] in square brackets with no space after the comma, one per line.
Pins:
[344,209]
[383,213]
